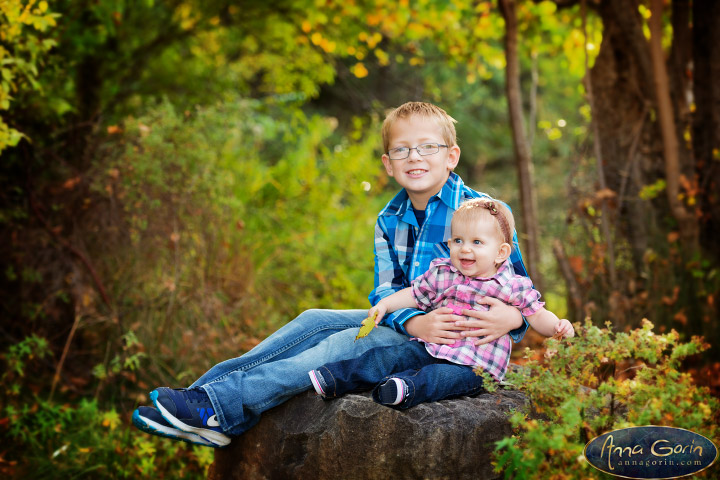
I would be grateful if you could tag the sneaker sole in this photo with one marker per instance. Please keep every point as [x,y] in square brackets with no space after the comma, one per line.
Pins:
[399,392]
[148,426]
[316,383]
[219,439]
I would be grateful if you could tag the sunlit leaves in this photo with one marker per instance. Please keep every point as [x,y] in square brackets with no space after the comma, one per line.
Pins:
[23,47]
[359,70]
[598,381]
[110,419]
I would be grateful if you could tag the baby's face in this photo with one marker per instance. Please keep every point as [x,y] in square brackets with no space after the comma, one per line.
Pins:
[475,247]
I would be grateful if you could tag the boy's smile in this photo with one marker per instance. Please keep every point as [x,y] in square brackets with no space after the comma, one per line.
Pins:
[422,176]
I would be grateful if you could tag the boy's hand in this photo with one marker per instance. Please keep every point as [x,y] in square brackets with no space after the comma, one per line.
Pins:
[491,324]
[564,329]
[437,326]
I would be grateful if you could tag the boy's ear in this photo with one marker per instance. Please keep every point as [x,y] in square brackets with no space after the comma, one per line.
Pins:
[453,157]
[388,164]
[503,253]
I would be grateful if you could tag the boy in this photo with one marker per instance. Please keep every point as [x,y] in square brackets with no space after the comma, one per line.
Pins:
[420,153]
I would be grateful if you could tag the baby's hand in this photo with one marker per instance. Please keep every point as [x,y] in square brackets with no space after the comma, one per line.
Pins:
[379,310]
[564,329]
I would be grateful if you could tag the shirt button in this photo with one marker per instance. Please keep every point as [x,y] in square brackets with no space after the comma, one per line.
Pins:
[417,264]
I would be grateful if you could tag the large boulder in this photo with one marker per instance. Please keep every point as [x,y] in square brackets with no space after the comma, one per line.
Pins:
[356,438]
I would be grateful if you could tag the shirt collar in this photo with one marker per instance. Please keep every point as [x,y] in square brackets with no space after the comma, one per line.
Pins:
[503,275]
[450,194]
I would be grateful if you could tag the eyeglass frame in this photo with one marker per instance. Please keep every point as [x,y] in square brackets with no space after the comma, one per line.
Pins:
[409,149]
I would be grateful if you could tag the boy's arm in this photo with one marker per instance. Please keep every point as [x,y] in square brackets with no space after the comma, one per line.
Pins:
[389,278]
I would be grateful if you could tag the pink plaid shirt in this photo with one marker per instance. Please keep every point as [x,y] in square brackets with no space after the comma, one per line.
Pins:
[444,286]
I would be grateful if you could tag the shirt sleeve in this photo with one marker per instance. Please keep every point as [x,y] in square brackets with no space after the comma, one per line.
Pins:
[389,278]
[425,289]
[524,296]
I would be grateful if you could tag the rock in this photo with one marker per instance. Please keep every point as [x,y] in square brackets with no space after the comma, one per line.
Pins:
[356,438]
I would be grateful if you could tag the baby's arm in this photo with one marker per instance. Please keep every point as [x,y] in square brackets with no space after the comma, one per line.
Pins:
[400,299]
[548,324]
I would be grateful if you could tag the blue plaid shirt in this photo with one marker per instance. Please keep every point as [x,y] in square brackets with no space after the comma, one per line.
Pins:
[404,249]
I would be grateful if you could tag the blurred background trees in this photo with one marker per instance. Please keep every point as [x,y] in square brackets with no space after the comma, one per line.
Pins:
[179,178]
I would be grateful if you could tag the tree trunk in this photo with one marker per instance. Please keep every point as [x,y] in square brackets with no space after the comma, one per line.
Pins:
[686,219]
[605,209]
[523,160]
[620,91]
[706,118]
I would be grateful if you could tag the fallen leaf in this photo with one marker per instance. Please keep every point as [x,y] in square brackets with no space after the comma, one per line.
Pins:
[366,327]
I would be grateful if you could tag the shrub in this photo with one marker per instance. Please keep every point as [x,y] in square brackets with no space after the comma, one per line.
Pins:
[598,381]
[79,439]
[224,223]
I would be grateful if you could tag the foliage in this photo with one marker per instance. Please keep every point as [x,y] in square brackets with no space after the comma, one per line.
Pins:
[79,440]
[24,26]
[190,175]
[602,380]
[233,218]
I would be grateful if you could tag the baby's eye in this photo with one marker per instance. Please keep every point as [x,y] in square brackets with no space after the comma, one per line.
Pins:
[457,240]
[477,242]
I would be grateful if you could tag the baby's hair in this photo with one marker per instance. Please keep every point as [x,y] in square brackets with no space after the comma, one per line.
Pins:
[422,109]
[487,209]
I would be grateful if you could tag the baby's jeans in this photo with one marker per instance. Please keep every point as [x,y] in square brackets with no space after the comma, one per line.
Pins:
[429,379]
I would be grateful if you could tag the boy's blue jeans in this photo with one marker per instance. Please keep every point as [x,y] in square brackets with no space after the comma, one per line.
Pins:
[429,379]
[240,389]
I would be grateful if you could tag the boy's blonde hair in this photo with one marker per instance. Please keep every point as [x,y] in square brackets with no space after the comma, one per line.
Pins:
[425,110]
[481,209]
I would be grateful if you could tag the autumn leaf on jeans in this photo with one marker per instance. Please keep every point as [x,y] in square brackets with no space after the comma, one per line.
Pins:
[366,327]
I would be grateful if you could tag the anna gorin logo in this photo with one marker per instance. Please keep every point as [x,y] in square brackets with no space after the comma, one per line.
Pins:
[651,452]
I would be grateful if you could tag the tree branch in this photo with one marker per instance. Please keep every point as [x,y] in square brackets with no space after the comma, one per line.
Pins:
[523,158]
[65,244]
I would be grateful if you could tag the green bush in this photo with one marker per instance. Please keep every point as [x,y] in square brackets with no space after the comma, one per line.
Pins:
[210,229]
[79,439]
[83,441]
[226,222]
[598,381]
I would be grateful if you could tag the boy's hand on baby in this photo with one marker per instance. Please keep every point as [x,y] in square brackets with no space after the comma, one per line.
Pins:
[564,329]
[437,326]
[488,324]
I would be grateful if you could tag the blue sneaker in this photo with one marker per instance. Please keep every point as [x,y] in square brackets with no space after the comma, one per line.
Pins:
[150,421]
[190,410]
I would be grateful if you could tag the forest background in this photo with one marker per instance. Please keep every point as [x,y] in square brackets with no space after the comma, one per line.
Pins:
[180,178]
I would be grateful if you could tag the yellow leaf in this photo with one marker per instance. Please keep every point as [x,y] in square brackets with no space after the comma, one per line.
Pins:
[359,70]
[367,325]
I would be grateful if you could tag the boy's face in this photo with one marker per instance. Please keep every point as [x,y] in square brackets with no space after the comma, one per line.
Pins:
[422,176]
[476,247]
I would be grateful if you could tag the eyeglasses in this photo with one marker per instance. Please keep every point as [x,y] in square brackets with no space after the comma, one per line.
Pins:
[401,153]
